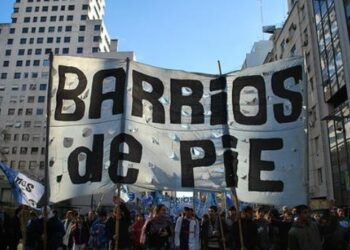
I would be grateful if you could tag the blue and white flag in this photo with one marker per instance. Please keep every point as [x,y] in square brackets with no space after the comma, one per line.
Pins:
[25,190]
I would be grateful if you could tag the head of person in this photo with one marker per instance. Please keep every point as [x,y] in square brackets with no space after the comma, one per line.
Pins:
[102,214]
[303,213]
[80,219]
[288,216]
[232,212]
[271,215]
[248,212]
[91,215]
[212,211]
[340,212]
[285,209]
[161,210]
[140,217]
[260,212]
[69,215]
[187,212]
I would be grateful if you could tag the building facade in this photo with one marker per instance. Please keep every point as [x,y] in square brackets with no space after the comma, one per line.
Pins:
[318,30]
[38,28]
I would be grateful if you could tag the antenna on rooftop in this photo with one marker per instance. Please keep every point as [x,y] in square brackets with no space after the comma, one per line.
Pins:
[261,18]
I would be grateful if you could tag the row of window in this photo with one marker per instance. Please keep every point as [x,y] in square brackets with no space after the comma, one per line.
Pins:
[26,124]
[32,86]
[49,40]
[53,8]
[27,111]
[20,63]
[44,19]
[24,137]
[23,164]
[25,75]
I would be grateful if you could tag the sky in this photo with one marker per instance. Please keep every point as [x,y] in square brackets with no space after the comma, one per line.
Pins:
[190,35]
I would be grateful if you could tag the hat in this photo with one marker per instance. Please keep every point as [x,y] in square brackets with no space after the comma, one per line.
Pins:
[188,209]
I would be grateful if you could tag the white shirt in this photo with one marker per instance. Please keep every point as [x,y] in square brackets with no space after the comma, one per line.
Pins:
[193,239]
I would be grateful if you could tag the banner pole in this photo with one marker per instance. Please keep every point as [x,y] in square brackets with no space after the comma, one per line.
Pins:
[221,229]
[122,128]
[235,197]
[48,116]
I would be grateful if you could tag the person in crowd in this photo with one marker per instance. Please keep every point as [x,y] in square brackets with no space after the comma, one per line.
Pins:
[214,229]
[158,230]
[80,234]
[150,216]
[187,231]
[15,233]
[123,215]
[55,231]
[91,218]
[136,229]
[274,224]
[263,228]
[249,230]
[30,243]
[304,234]
[4,227]
[230,222]
[203,231]
[342,219]
[68,223]
[286,224]
[98,239]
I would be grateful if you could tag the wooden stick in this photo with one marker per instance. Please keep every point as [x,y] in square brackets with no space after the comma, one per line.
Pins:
[235,197]
[117,217]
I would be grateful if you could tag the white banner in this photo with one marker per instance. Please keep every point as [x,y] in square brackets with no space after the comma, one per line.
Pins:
[174,130]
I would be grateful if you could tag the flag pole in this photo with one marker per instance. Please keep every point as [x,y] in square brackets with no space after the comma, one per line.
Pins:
[122,128]
[233,189]
[48,115]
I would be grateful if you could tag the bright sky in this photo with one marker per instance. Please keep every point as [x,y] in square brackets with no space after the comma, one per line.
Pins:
[187,34]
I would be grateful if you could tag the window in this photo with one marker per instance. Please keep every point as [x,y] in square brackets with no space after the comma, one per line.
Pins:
[70,18]
[57,50]
[79,50]
[51,29]
[53,18]
[58,39]
[10,41]
[30,99]
[37,9]
[29,51]
[41,29]
[34,75]
[8,52]
[96,38]
[35,19]
[14,20]
[47,51]
[3,75]
[22,164]
[45,8]
[42,86]
[11,112]
[34,150]
[29,111]
[12,31]
[43,19]
[21,52]
[23,41]
[27,124]
[59,29]
[71,7]
[80,39]
[41,99]
[23,150]
[25,30]
[82,28]
[97,27]
[33,30]
[65,50]
[24,87]
[42,165]
[26,19]
[14,150]
[61,18]
[17,75]
[29,9]
[37,51]
[94,49]
[39,111]
[6,63]
[83,17]
[46,62]
[85,7]
[32,164]
[63,7]
[49,40]
[36,62]
[20,112]
[25,137]
[27,64]
[66,39]
[39,40]
[19,63]
[68,28]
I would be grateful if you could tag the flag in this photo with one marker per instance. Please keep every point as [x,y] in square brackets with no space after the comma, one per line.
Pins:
[212,199]
[229,202]
[25,190]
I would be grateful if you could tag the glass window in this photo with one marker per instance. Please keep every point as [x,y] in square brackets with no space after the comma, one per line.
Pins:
[39,111]
[79,50]
[19,63]
[82,28]
[83,17]
[80,39]
[26,19]
[21,52]
[42,86]
[23,150]
[43,19]
[53,18]
[41,29]
[23,41]
[65,50]
[68,28]
[69,18]
[8,52]
[25,30]
[12,30]
[41,99]
[10,41]
[6,63]
[37,51]
[67,39]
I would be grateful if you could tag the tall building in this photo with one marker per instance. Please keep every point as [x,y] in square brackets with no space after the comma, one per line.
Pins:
[319,31]
[38,28]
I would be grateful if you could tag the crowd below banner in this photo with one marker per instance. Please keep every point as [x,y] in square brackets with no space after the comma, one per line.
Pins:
[262,228]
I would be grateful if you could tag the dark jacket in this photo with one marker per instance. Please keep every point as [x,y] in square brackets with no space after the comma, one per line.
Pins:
[304,237]
[250,234]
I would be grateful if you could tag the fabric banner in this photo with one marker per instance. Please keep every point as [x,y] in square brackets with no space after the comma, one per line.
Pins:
[158,129]
[25,190]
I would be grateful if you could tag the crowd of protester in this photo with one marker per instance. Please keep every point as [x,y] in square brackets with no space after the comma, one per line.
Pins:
[262,228]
